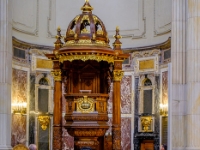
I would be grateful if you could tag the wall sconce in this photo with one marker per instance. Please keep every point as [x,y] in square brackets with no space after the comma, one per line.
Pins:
[19,108]
[164,109]
[44,121]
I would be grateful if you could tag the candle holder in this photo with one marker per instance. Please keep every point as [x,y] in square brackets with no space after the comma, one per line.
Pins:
[163,109]
[19,108]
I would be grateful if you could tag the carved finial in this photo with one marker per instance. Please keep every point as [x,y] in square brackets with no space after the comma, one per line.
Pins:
[117,44]
[86,7]
[58,44]
[58,29]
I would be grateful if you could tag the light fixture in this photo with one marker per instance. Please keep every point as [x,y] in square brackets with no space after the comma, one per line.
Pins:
[19,108]
[163,109]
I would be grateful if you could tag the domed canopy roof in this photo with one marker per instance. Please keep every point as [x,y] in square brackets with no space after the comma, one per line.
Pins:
[87,39]
[86,29]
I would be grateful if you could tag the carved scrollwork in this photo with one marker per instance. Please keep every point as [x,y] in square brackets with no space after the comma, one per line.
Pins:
[118,74]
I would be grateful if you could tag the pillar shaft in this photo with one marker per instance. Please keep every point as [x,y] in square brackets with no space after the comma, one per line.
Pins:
[57,120]
[116,123]
[178,55]
[5,73]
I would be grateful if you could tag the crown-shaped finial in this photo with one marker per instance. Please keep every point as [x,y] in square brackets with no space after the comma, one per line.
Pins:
[87,7]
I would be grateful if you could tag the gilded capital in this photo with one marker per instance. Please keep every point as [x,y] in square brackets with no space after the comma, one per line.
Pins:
[56,75]
[118,74]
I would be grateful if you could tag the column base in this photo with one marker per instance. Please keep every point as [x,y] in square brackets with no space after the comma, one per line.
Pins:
[5,147]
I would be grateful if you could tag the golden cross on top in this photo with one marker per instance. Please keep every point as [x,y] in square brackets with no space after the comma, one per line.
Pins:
[86,0]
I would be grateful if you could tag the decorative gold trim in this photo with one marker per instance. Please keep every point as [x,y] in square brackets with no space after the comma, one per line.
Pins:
[95,19]
[85,17]
[85,31]
[71,32]
[44,121]
[118,75]
[85,105]
[86,42]
[76,18]
[57,75]
[109,59]
[100,32]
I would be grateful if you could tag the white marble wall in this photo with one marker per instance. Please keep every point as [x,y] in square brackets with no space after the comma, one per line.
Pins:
[5,74]
[178,55]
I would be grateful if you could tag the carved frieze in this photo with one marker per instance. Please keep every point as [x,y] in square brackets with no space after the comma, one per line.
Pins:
[87,118]
[89,132]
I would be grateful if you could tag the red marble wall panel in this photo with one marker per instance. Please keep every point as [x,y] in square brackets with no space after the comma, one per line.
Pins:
[19,95]
[165,87]
[18,130]
[125,132]
[19,86]
[126,88]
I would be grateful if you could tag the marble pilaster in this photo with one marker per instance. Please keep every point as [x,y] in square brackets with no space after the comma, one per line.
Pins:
[178,55]
[5,74]
[193,75]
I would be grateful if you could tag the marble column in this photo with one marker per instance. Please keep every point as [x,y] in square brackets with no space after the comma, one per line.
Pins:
[5,73]
[193,75]
[178,59]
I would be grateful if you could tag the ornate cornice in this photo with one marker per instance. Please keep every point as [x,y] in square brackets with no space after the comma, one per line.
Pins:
[25,45]
[161,46]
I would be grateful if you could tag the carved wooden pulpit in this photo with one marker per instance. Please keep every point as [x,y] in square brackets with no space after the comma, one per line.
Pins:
[86,65]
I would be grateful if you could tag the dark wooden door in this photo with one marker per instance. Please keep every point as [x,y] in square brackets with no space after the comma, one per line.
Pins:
[147,145]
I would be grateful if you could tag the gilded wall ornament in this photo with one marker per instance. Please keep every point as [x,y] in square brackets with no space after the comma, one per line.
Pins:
[118,75]
[146,123]
[44,121]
